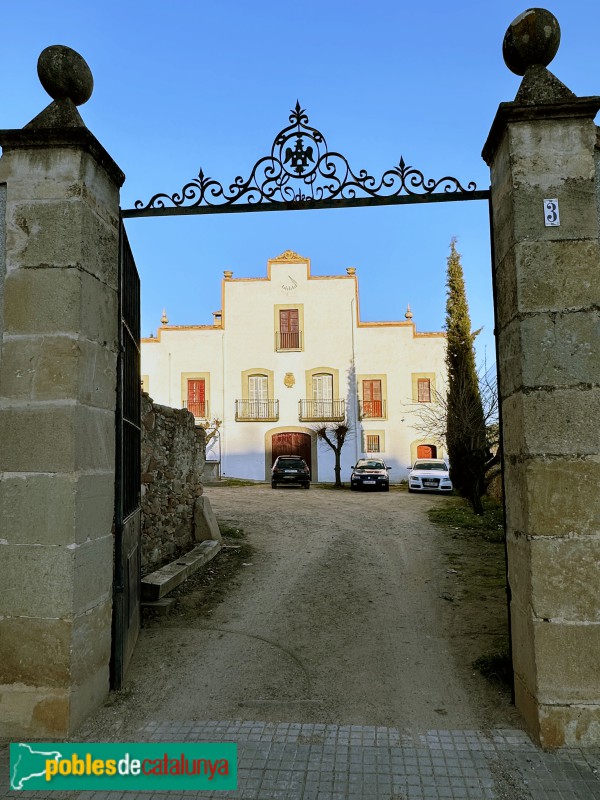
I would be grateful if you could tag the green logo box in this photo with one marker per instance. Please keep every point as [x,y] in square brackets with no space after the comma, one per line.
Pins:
[122,766]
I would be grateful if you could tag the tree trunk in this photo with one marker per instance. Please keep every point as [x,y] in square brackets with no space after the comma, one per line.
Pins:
[338,472]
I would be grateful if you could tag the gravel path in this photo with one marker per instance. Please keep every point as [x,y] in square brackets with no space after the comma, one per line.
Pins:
[339,618]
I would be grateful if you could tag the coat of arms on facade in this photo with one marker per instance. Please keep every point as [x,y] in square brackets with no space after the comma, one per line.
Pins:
[289,379]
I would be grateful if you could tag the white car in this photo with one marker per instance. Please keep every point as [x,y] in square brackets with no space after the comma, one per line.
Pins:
[429,475]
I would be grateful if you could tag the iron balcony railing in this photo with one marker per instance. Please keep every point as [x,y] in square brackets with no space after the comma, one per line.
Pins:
[372,409]
[256,410]
[199,409]
[322,410]
[288,341]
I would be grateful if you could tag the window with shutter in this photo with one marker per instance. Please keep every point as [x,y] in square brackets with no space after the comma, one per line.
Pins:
[196,397]
[289,329]
[322,395]
[424,390]
[372,400]
[258,395]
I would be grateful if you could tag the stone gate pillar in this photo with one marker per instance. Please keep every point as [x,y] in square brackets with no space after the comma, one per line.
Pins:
[547,279]
[57,411]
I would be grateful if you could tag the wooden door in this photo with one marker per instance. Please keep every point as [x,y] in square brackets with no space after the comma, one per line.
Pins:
[292,444]
[289,329]
[426,451]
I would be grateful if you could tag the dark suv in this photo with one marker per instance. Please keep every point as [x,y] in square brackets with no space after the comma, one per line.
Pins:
[290,469]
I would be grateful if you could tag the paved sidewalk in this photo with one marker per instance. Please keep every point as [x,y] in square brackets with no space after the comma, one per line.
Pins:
[289,761]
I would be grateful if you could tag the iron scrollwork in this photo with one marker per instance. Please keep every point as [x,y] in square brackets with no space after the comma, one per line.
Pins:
[302,170]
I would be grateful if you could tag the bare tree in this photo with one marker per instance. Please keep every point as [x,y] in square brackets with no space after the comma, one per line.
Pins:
[334,434]
[211,428]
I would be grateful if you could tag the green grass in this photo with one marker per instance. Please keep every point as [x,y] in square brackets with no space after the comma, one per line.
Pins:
[496,667]
[456,513]
[230,532]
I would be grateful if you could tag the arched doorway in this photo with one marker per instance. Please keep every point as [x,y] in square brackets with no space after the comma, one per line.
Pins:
[292,443]
[426,451]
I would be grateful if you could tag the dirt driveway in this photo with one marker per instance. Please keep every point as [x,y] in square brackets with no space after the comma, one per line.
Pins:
[341,616]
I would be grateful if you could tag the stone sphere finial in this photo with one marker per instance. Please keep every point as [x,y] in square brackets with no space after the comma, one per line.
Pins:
[65,74]
[531,39]
[408,313]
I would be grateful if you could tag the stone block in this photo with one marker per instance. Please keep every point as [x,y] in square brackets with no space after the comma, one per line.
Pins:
[518,549]
[88,695]
[38,508]
[51,301]
[538,487]
[63,234]
[554,276]
[94,505]
[544,151]
[205,522]
[37,581]
[551,349]
[32,712]
[523,649]
[93,573]
[502,187]
[56,508]
[569,726]
[51,581]
[527,706]
[565,579]
[57,367]
[552,423]
[567,659]
[91,643]
[35,652]
[56,438]
[60,174]
[42,173]
[578,220]
[507,300]
[516,493]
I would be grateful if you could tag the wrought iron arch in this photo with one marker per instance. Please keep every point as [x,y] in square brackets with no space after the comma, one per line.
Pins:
[301,172]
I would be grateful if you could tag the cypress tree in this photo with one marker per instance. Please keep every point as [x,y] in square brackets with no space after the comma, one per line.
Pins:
[466,438]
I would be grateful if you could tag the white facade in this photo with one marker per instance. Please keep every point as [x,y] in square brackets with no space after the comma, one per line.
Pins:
[286,353]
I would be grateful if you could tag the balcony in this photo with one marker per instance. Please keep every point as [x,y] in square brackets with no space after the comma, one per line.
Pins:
[256,410]
[288,341]
[372,409]
[199,409]
[322,410]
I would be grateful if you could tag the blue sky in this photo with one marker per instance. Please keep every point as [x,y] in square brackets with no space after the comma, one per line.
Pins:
[184,85]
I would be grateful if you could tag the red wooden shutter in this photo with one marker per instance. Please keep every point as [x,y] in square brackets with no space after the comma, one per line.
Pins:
[196,399]
[372,404]
[424,390]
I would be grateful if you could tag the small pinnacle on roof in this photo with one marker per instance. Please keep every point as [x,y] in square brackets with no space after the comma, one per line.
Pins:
[408,314]
[164,319]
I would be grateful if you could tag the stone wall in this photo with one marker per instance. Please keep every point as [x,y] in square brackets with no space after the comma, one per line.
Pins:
[173,455]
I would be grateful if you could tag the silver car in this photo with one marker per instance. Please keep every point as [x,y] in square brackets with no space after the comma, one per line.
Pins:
[429,475]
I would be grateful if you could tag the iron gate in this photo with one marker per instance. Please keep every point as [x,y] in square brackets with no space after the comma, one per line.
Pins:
[127,527]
